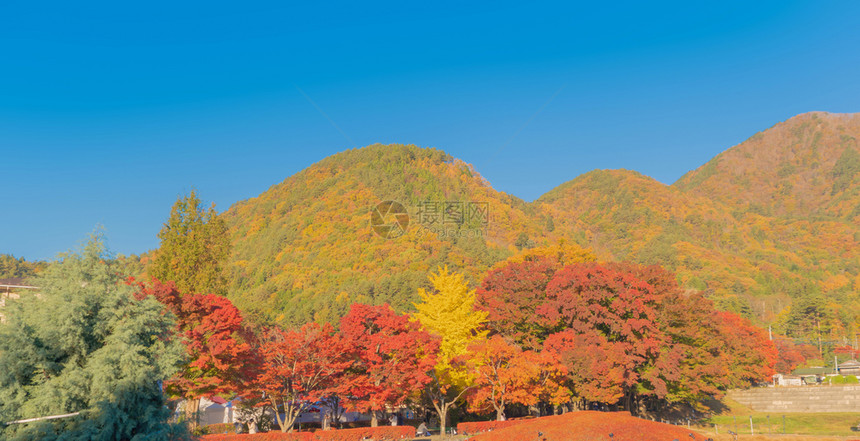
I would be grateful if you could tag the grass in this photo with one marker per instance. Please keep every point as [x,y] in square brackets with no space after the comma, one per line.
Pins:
[819,424]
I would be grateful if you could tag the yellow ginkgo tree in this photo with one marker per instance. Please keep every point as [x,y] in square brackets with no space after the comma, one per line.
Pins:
[448,312]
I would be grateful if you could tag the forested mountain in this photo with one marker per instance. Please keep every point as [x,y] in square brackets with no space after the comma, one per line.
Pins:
[764,225]
[18,267]
[807,167]
[305,249]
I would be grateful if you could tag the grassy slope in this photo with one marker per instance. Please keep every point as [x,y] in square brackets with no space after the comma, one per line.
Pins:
[818,424]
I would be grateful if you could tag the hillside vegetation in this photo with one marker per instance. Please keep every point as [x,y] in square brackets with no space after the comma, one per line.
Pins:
[304,249]
[12,267]
[767,224]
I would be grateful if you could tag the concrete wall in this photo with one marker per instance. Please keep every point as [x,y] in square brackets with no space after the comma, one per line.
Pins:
[3,297]
[815,399]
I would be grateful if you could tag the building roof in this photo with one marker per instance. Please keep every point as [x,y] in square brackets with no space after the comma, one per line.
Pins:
[813,371]
[19,281]
[850,364]
[16,282]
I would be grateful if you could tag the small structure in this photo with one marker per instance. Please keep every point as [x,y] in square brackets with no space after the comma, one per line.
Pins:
[850,367]
[216,410]
[787,380]
[8,288]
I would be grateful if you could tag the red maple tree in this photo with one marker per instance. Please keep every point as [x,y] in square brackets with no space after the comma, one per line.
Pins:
[612,307]
[393,357]
[596,368]
[749,353]
[219,357]
[301,367]
[693,368]
[511,296]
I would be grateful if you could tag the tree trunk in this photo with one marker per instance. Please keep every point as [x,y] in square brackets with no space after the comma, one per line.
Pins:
[290,417]
[374,419]
[500,414]
[192,406]
[628,403]
[443,419]
[282,423]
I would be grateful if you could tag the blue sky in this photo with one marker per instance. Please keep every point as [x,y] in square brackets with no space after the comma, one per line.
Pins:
[110,110]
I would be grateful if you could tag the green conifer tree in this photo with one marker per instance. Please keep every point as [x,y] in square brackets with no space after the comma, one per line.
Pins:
[84,344]
[194,248]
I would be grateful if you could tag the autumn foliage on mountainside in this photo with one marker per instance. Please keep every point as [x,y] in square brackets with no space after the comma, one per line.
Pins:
[19,268]
[304,249]
[808,164]
[755,229]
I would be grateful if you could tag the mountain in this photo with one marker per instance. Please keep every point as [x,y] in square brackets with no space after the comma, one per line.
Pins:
[807,167]
[624,215]
[761,226]
[305,248]
[747,262]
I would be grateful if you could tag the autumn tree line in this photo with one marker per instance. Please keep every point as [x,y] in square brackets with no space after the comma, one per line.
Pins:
[549,328]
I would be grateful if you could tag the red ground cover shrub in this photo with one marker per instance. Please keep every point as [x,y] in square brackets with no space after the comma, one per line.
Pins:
[382,433]
[590,426]
[475,427]
[268,436]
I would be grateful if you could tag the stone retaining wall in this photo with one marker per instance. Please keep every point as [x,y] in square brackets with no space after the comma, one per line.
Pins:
[814,399]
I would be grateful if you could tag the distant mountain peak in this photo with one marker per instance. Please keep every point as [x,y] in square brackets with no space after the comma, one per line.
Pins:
[791,169]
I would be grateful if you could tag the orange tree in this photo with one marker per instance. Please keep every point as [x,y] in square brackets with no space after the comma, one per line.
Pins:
[505,374]
[694,367]
[595,366]
[751,356]
[301,367]
[792,355]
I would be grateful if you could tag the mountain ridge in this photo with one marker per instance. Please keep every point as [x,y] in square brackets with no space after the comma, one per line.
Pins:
[304,248]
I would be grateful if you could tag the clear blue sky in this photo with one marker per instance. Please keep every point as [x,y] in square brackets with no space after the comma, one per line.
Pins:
[110,110]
